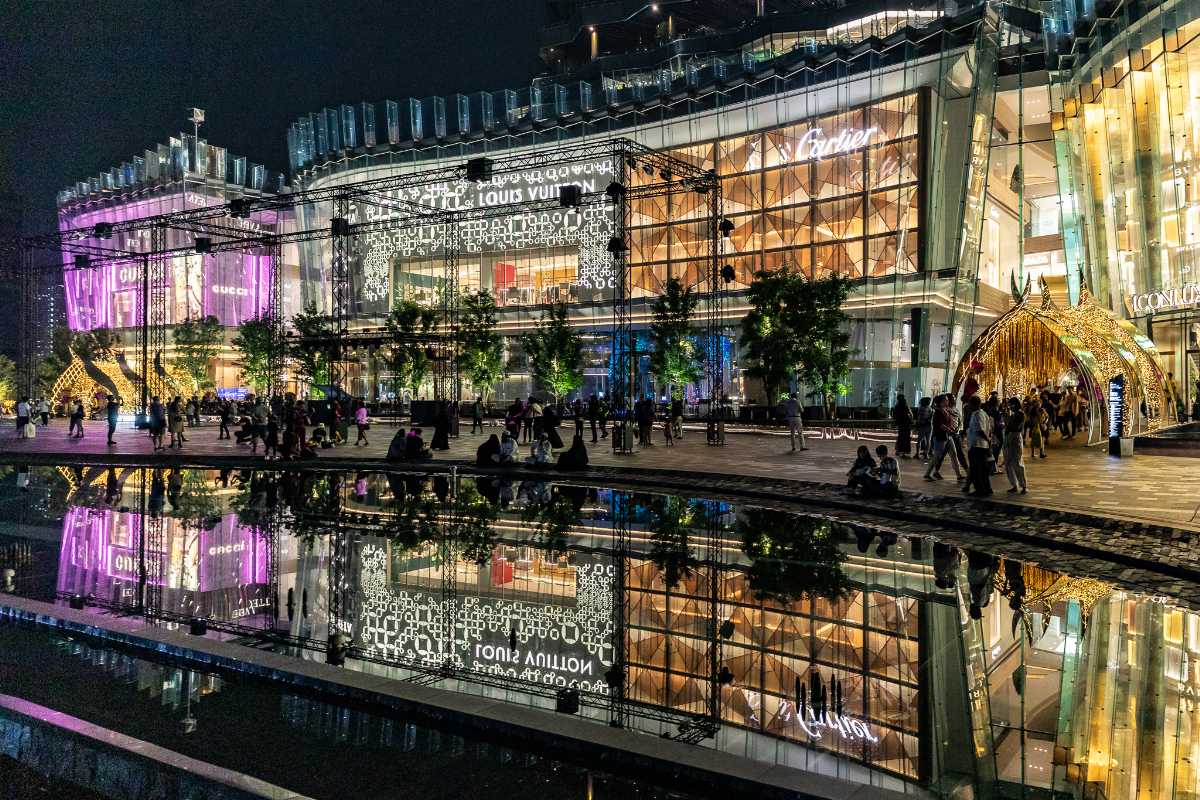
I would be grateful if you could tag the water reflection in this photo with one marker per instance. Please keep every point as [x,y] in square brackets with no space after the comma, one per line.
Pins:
[905,662]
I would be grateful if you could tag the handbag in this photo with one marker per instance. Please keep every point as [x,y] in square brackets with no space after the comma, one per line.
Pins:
[30,430]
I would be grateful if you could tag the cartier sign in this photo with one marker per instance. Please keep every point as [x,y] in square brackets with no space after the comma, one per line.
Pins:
[1166,299]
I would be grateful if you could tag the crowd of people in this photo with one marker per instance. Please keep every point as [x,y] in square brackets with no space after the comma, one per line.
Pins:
[979,437]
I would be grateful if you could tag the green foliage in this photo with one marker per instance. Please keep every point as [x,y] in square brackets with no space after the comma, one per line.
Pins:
[555,353]
[675,360]
[473,518]
[407,323]
[8,378]
[672,520]
[791,556]
[481,349]
[795,330]
[311,360]
[253,344]
[198,502]
[553,512]
[197,344]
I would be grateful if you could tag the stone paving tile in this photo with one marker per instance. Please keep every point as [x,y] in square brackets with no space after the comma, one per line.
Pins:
[1134,519]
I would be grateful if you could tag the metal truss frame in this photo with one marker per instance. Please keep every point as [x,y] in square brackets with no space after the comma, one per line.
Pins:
[663,173]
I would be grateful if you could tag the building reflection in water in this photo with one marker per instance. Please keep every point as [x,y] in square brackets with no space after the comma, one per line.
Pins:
[899,661]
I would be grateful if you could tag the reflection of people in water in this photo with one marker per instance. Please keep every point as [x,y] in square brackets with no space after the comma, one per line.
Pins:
[158,491]
[174,487]
[112,487]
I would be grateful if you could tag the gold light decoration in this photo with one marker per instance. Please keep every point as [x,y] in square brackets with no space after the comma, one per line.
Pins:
[1032,346]
[80,380]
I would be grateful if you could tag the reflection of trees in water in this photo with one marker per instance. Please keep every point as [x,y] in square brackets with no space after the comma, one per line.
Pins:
[472,521]
[193,499]
[425,510]
[791,556]
[671,523]
[553,511]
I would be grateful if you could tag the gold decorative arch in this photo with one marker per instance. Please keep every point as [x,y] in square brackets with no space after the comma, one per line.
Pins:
[1033,346]
[79,380]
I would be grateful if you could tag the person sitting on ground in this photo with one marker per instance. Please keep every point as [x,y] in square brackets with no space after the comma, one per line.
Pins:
[245,430]
[576,457]
[508,449]
[887,474]
[395,451]
[320,437]
[861,471]
[488,453]
[540,452]
[414,447]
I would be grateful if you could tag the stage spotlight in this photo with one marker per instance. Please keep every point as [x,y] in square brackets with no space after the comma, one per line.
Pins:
[339,226]
[665,175]
[103,230]
[724,676]
[648,169]
[77,602]
[203,244]
[615,676]
[239,208]
[699,186]
[616,245]
[727,273]
[727,629]
[566,701]
[632,162]
[570,196]
[198,627]
[479,170]
[614,191]
[726,227]
[82,261]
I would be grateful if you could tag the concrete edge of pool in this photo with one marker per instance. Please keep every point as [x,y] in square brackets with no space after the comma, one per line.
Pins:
[668,763]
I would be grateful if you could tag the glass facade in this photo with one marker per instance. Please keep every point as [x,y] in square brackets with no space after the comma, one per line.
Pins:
[1127,132]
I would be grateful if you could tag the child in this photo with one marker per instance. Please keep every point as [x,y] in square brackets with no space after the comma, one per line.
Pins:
[669,431]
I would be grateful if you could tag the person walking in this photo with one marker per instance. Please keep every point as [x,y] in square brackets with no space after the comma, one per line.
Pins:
[1014,447]
[602,416]
[175,423]
[925,428]
[113,413]
[226,417]
[158,422]
[593,414]
[903,417]
[363,424]
[192,412]
[75,431]
[477,415]
[578,413]
[979,449]
[795,420]
[258,421]
[677,416]
[44,411]
[22,416]
[942,432]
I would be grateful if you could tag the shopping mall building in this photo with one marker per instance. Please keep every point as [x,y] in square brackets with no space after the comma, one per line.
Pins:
[940,157]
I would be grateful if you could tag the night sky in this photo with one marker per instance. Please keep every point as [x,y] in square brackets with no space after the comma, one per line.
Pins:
[87,85]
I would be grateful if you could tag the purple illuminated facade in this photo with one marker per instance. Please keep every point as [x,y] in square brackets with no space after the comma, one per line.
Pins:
[223,572]
[230,286]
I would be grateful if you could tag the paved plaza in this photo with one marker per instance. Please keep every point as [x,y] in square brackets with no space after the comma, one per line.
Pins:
[1146,488]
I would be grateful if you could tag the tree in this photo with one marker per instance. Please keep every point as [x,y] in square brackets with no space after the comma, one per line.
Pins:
[791,556]
[8,378]
[197,344]
[795,330]
[672,520]
[823,353]
[253,344]
[481,349]
[675,360]
[96,344]
[555,353]
[408,323]
[312,358]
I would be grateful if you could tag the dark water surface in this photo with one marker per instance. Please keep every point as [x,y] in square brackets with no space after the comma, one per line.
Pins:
[915,664]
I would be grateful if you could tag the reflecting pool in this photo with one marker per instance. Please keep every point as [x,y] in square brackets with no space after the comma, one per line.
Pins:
[912,663]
